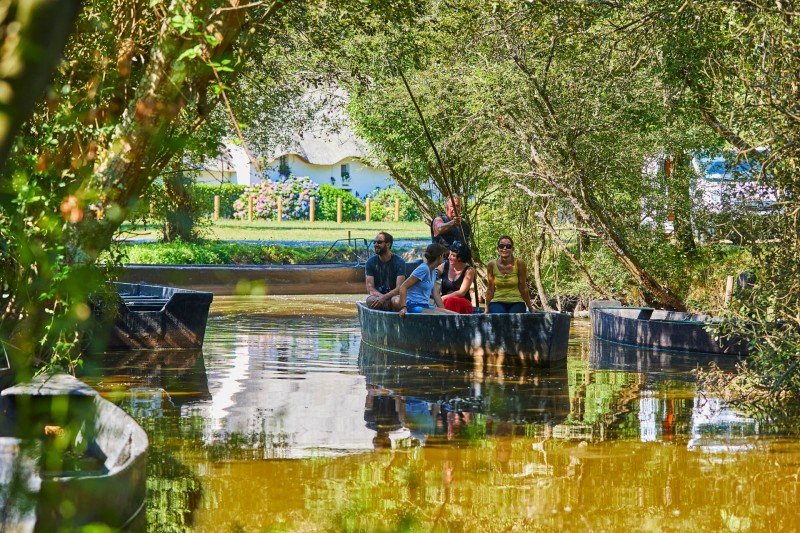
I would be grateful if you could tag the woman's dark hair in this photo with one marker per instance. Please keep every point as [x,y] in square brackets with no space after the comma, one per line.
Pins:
[506,237]
[433,251]
[462,251]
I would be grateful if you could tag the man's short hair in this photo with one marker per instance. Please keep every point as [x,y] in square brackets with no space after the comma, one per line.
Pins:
[387,237]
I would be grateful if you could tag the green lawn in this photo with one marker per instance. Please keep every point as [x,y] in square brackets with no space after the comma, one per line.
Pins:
[302,230]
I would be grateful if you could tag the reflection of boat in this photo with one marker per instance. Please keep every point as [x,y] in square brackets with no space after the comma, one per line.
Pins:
[662,330]
[523,339]
[605,355]
[181,374]
[539,397]
[91,462]
[718,429]
[152,316]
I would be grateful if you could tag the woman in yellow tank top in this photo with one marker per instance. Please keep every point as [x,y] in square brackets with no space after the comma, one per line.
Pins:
[507,290]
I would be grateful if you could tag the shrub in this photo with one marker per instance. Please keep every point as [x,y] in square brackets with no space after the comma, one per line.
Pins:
[382,205]
[295,192]
[228,194]
[352,208]
[225,253]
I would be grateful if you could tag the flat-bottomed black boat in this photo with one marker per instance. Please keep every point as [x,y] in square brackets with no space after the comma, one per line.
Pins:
[518,339]
[662,330]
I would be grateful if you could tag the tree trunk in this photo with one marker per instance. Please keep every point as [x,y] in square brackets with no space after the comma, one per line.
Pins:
[537,272]
[30,55]
[678,175]
[145,142]
[593,214]
[179,219]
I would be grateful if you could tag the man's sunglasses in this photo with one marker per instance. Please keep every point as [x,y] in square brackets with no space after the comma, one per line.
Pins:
[505,246]
[378,242]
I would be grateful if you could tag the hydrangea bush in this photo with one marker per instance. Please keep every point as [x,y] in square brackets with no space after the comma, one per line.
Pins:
[296,193]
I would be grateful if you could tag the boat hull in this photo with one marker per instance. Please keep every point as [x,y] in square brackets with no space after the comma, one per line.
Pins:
[662,330]
[110,491]
[157,317]
[524,339]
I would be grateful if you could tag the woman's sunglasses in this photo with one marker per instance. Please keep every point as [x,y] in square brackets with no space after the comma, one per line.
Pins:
[505,246]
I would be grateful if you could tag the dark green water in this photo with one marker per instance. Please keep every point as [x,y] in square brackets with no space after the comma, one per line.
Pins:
[285,422]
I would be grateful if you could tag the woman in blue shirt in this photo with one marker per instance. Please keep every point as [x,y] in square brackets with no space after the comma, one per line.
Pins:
[417,288]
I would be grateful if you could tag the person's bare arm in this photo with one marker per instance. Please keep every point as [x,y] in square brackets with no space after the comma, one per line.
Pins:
[466,283]
[522,276]
[397,284]
[440,226]
[371,290]
[437,295]
[409,282]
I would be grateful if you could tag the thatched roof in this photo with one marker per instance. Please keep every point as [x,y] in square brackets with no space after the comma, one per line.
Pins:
[324,147]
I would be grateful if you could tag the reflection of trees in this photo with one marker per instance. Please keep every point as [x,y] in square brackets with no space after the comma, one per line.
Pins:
[607,404]
[173,487]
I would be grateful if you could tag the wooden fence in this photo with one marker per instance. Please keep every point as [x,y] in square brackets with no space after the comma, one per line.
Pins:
[311,209]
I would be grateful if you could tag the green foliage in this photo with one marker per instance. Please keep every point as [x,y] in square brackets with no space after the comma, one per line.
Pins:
[228,193]
[227,253]
[383,202]
[352,208]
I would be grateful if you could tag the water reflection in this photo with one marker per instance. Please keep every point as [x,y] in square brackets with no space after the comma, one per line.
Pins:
[378,441]
[413,401]
[605,355]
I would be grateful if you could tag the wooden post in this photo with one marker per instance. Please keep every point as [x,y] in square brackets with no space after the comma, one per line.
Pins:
[368,210]
[250,208]
[311,207]
[397,209]
[728,290]
[216,207]
[280,208]
[338,210]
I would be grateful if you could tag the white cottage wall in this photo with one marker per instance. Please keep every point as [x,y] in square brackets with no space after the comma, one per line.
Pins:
[363,178]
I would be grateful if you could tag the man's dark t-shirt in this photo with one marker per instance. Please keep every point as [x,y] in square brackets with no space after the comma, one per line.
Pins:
[454,234]
[385,274]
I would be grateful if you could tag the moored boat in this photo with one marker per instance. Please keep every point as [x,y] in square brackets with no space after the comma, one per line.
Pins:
[69,459]
[157,317]
[524,339]
[662,330]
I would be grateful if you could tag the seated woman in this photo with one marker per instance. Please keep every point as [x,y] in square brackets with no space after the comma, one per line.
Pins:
[507,284]
[457,278]
[417,288]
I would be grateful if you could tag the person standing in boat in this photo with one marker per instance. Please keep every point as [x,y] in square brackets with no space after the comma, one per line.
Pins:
[418,288]
[507,284]
[448,228]
[457,276]
[385,272]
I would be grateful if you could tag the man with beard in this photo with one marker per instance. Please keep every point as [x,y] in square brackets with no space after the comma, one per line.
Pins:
[385,272]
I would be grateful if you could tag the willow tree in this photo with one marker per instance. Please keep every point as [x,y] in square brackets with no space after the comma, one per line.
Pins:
[565,101]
